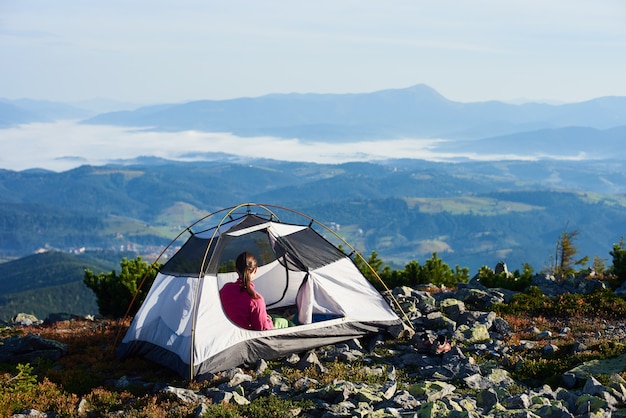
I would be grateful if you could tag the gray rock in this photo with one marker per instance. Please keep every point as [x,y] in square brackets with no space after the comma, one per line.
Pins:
[185,395]
[487,399]
[550,349]
[405,400]
[545,392]
[401,331]
[350,356]
[521,401]
[292,359]
[567,397]
[479,299]
[437,321]
[453,308]
[30,413]
[553,411]
[259,391]
[431,390]
[593,387]
[239,399]
[260,366]
[304,383]
[543,335]
[311,360]
[433,409]
[29,348]
[388,390]
[335,392]
[501,268]
[471,334]
[502,327]
[477,381]
[239,378]
[25,320]
[570,284]
[83,407]
[587,403]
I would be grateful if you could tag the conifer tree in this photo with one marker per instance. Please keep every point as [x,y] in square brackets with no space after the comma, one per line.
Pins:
[619,261]
[565,252]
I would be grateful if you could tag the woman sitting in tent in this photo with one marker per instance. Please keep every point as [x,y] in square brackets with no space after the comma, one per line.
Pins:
[242,304]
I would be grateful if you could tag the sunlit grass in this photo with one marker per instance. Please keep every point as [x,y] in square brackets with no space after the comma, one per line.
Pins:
[465,205]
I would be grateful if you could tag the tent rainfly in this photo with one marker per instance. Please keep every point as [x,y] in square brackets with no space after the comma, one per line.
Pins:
[181,324]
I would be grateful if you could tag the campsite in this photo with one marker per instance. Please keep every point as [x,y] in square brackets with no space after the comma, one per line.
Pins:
[431,350]
[322,209]
[182,324]
[500,365]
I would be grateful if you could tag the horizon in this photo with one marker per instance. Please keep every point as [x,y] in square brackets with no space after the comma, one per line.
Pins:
[112,105]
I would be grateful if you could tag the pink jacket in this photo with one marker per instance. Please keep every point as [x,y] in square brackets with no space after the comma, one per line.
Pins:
[243,309]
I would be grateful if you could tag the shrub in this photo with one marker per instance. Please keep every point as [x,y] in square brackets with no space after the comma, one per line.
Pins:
[602,303]
[20,391]
[433,271]
[512,281]
[115,292]
[23,380]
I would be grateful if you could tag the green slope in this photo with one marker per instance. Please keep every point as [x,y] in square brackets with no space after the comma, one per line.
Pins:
[51,282]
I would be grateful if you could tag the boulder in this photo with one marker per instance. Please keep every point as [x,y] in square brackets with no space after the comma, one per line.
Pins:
[25,320]
[29,348]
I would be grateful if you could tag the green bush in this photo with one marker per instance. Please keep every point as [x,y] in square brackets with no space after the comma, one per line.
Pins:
[512,281]
[115,292]
[433,271]
[23,381]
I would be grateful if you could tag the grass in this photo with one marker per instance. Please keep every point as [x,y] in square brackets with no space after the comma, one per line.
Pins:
[465,205]
[88,371]
[601,303]
[534,367]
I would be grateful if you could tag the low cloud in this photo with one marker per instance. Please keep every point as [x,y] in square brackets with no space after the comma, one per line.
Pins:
[65,145]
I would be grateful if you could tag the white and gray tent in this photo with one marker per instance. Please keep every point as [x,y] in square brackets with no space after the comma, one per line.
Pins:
[181,323]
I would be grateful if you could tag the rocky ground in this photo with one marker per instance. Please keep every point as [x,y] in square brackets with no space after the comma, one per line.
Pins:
[456,359]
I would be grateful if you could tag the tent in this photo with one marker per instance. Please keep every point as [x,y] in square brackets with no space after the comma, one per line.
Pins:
[181,323]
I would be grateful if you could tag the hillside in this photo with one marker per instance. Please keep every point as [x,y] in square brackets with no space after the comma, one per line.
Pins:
[51,282]
[472,214]
[528,362]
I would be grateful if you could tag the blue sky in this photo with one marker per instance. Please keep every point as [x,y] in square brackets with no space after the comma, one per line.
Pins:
[174,51]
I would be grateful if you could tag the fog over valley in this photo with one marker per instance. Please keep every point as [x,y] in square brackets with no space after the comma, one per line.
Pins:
[64,145]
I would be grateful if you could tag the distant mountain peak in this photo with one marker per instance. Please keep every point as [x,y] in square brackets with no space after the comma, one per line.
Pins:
[423,89]
[420,93]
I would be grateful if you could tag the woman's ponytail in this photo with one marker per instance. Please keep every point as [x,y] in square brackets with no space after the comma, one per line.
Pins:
[245,265]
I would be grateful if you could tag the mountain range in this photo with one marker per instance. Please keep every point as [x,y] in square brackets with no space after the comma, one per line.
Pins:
[586,130]
[417,111]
